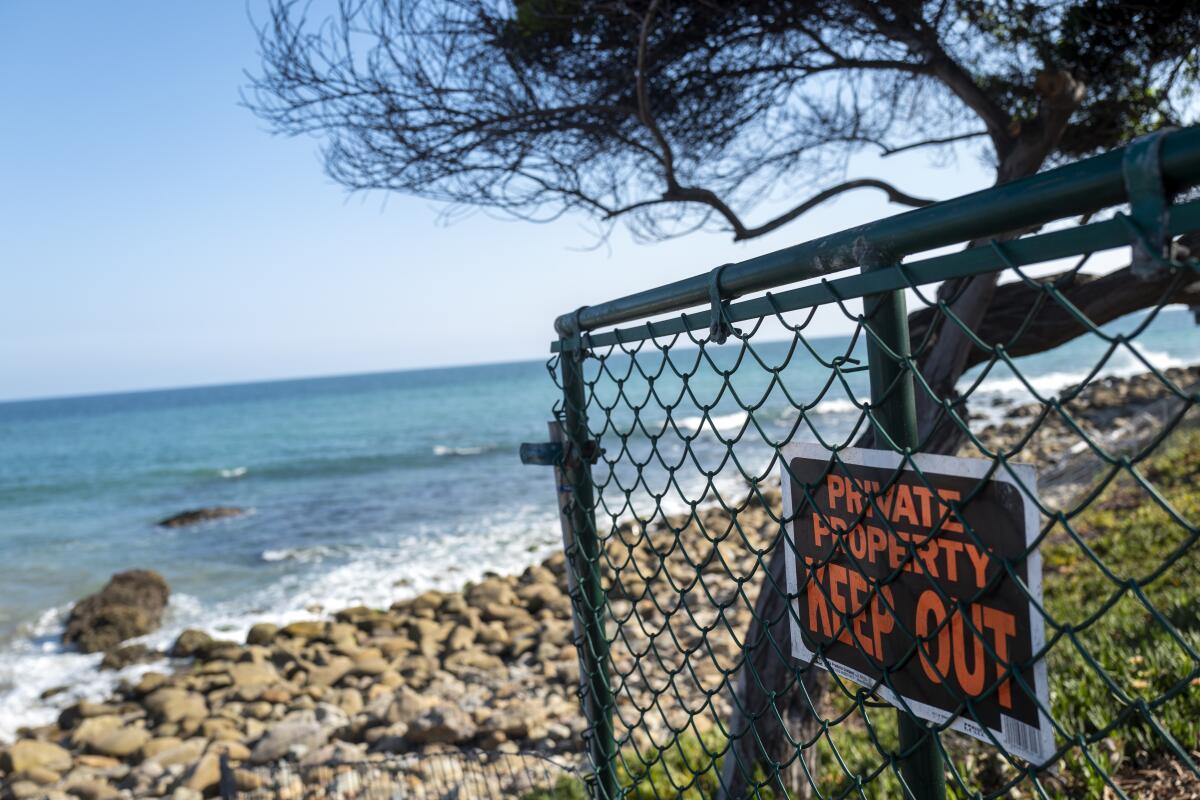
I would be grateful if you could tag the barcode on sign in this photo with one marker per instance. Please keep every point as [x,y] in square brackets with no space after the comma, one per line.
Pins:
[1019,735]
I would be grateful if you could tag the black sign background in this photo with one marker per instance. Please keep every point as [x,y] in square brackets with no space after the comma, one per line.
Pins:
[994,515]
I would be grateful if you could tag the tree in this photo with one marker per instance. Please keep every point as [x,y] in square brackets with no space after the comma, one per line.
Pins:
[672,115]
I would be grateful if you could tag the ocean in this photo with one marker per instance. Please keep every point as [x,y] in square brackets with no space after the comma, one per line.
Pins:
[365,489]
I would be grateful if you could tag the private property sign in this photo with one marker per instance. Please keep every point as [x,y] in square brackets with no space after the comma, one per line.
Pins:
[888,580]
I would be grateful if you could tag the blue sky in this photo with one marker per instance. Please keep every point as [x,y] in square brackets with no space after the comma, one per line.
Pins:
[154,234]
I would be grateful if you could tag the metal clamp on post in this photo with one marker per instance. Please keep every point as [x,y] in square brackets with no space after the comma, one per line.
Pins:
[1149,204]
[555,454]
[719,326]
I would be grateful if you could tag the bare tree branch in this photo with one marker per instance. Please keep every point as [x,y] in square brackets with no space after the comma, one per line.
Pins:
[894,195]
[891,151]
[1101,299]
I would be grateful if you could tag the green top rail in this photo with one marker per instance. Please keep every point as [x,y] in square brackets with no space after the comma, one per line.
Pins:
[1080,188]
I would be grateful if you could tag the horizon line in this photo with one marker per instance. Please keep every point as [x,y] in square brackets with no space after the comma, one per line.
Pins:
[219,384]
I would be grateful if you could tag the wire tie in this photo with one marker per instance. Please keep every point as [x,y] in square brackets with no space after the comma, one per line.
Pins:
[1149,203]
[718,324]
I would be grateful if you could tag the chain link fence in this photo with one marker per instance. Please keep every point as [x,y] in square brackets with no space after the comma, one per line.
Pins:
[743,635]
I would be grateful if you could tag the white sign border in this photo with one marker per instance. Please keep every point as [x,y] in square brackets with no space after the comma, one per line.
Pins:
[943,465]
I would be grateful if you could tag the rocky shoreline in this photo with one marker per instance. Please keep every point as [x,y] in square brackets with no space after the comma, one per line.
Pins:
[491,667]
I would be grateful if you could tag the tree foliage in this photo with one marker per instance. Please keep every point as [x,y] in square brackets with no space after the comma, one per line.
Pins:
[675,114]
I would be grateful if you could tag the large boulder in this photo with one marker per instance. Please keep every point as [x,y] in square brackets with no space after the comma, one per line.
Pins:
[130,605]
[195,515]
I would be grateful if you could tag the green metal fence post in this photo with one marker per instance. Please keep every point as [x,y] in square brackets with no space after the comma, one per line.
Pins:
[893,401]
[577,472]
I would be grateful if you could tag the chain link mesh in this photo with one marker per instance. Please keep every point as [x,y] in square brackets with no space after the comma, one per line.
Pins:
[690,526]
[450,775]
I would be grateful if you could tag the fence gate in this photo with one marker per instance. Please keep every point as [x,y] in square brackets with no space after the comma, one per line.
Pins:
[788,580]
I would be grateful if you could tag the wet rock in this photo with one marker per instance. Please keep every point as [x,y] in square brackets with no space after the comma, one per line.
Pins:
[131,604]
[85,709]
[129,654]
[305,629]
[262,633]
[197,515]
[491,591]
[150,682]
[190,643]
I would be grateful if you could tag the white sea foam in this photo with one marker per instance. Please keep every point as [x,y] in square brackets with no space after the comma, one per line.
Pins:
[235,472]
[314,554]
[36,661]
[1123,364]
[430,558]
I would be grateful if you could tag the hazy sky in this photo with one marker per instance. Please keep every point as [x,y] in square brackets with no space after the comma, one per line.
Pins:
[153,234]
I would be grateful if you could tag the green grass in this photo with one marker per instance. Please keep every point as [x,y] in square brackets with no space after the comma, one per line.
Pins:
[1121,662]
[686,769]
[1136,657]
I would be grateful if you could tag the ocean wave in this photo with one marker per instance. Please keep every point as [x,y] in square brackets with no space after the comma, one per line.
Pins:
[722,423]
[314,554]
[838,405]
[348,465]
[234,472]
[447,450]
[1049,383]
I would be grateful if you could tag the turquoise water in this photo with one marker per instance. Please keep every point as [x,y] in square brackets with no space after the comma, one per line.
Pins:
[361,489]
